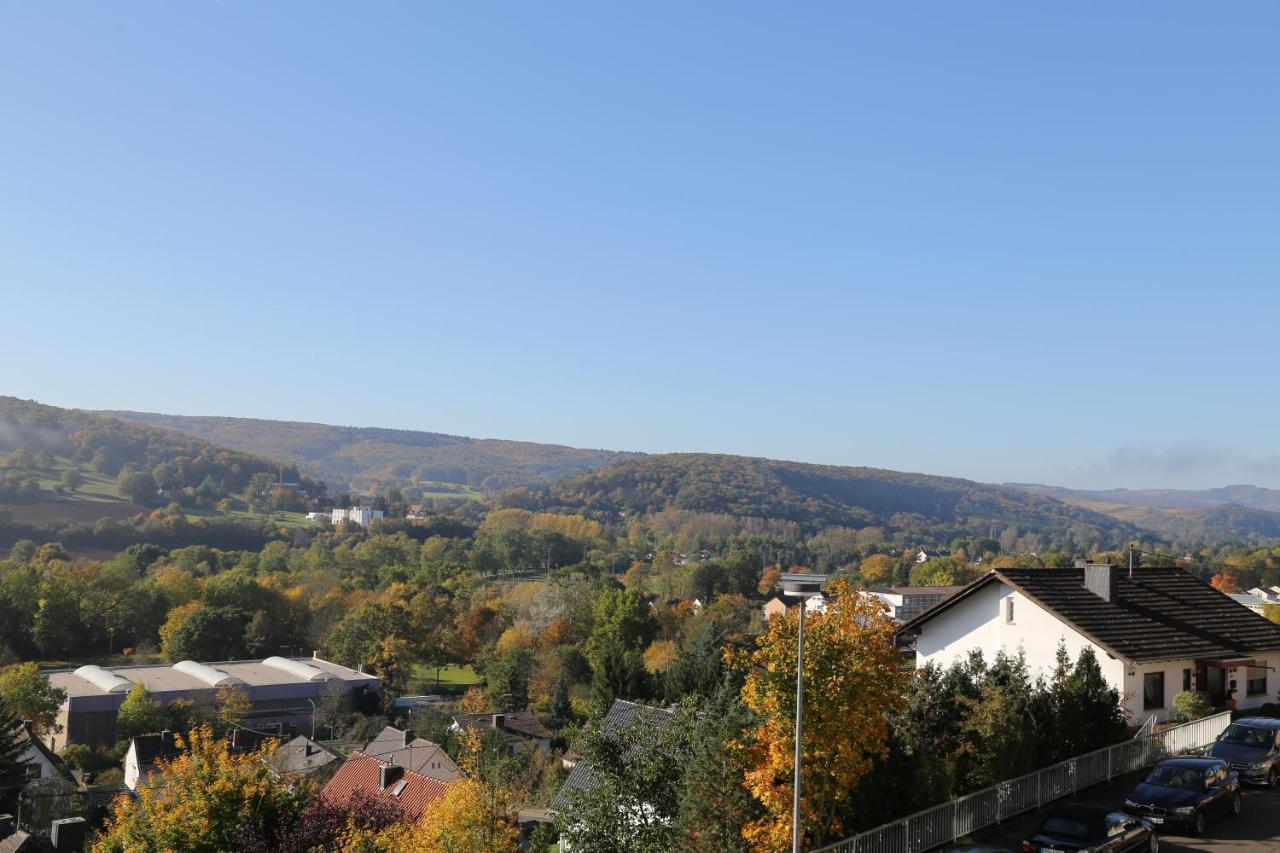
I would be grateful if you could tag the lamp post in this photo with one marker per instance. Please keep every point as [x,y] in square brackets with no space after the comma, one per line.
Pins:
[802,587]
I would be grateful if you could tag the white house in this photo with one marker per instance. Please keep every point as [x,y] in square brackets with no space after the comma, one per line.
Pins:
[361,515]
[925,555]
[1156,632]
[1249,600]
[907,602]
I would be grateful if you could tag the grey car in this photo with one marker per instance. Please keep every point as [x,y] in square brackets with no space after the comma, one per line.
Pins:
[1251,745]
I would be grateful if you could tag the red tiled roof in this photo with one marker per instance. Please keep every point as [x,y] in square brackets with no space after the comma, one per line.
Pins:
[362,773]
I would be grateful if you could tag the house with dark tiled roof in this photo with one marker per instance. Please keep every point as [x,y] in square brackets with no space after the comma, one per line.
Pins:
[40,760]
[1156,631]
[303,758]
[406,749]
[364,776]
[145,752]
[521,729]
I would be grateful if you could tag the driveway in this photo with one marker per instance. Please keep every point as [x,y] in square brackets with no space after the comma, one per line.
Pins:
[1256,829]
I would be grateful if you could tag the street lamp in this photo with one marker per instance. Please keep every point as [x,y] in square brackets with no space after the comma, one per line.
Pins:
[803,587]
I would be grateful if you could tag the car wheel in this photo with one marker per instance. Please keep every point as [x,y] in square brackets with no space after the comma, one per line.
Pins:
[1197,824]
[1237,805]
[1273,778]
[1155,843]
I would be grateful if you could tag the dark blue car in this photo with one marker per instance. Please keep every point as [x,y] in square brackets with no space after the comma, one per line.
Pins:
[1077,828]
[1185,793]
[1251,745]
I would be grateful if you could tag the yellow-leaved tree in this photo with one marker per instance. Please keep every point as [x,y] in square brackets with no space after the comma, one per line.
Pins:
[853,676]
[210,801]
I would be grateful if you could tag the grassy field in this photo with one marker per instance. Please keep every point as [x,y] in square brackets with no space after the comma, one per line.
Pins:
[453,679]
[437,489]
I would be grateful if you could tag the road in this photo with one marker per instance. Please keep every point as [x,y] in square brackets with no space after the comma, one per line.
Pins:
[1257,829]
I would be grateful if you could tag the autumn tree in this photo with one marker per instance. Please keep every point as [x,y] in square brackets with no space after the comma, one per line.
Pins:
[233,706]
[877,569]
[1223,582]
[853,679]
[27,692]
[139,714]
[209,801]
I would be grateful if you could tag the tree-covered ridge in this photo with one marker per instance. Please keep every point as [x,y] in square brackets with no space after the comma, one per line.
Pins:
[150,465]
[1239,513]
[896,506]
[372,458]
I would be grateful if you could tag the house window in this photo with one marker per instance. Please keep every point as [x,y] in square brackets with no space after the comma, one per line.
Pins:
[1257,683]
[1008,610]
[1152,691]
[1186,679]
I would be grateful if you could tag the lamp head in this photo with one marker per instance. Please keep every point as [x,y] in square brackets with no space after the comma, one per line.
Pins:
[801,585]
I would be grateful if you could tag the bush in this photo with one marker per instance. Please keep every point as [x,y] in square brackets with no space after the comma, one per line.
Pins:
[1192,705]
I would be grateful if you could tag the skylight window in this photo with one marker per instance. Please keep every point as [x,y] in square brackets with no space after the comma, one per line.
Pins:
[399,787]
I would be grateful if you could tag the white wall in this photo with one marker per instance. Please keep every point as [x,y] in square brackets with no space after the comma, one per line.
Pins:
[978,622]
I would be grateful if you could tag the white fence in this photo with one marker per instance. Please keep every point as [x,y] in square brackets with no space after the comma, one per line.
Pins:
[952,820]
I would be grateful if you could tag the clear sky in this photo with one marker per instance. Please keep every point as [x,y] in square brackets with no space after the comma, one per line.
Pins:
[1014,241]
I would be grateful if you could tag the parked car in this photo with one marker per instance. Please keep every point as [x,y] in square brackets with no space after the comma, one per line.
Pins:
[1186,792]
[1251,746]
[1079,828]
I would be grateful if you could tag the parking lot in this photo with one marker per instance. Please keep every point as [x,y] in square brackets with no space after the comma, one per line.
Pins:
[1256,829]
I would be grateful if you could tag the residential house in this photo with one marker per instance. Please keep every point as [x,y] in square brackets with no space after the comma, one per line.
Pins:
[303,758]
[907,602]
[406,749]
[521,729]
[280,691]
[417,512]
[40,760]
[362,775]
[1156,631]
[145,752]
[925,555]
[623,715]
[774,607]
[1270,595]
[1249,600]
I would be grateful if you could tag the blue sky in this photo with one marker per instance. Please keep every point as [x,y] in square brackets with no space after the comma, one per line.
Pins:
[1000,241]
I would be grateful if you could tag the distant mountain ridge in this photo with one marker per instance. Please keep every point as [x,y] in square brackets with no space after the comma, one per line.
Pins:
[366,458]
[1239,512]
[1255,497]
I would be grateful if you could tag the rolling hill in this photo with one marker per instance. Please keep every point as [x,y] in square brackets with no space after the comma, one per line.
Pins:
[69,465]
[368,458]
[1231,513]
[906,507]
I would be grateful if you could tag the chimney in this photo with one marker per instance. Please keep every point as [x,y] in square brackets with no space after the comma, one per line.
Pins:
[498,720]
[7,826]
[69,834]
[388,775]
[408,736]
[1100,579]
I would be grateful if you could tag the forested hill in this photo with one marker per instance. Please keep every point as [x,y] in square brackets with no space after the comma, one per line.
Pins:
[366,458]
[100,466]
[888,505]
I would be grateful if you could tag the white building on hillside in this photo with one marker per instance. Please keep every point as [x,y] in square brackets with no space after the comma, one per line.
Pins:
[1155,633]
[361,515]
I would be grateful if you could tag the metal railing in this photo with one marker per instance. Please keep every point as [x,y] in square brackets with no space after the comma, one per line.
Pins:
[950,821]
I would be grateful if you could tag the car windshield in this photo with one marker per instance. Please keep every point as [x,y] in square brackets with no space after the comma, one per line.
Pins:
[1064,827]
[1247,736]
[1174,777]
